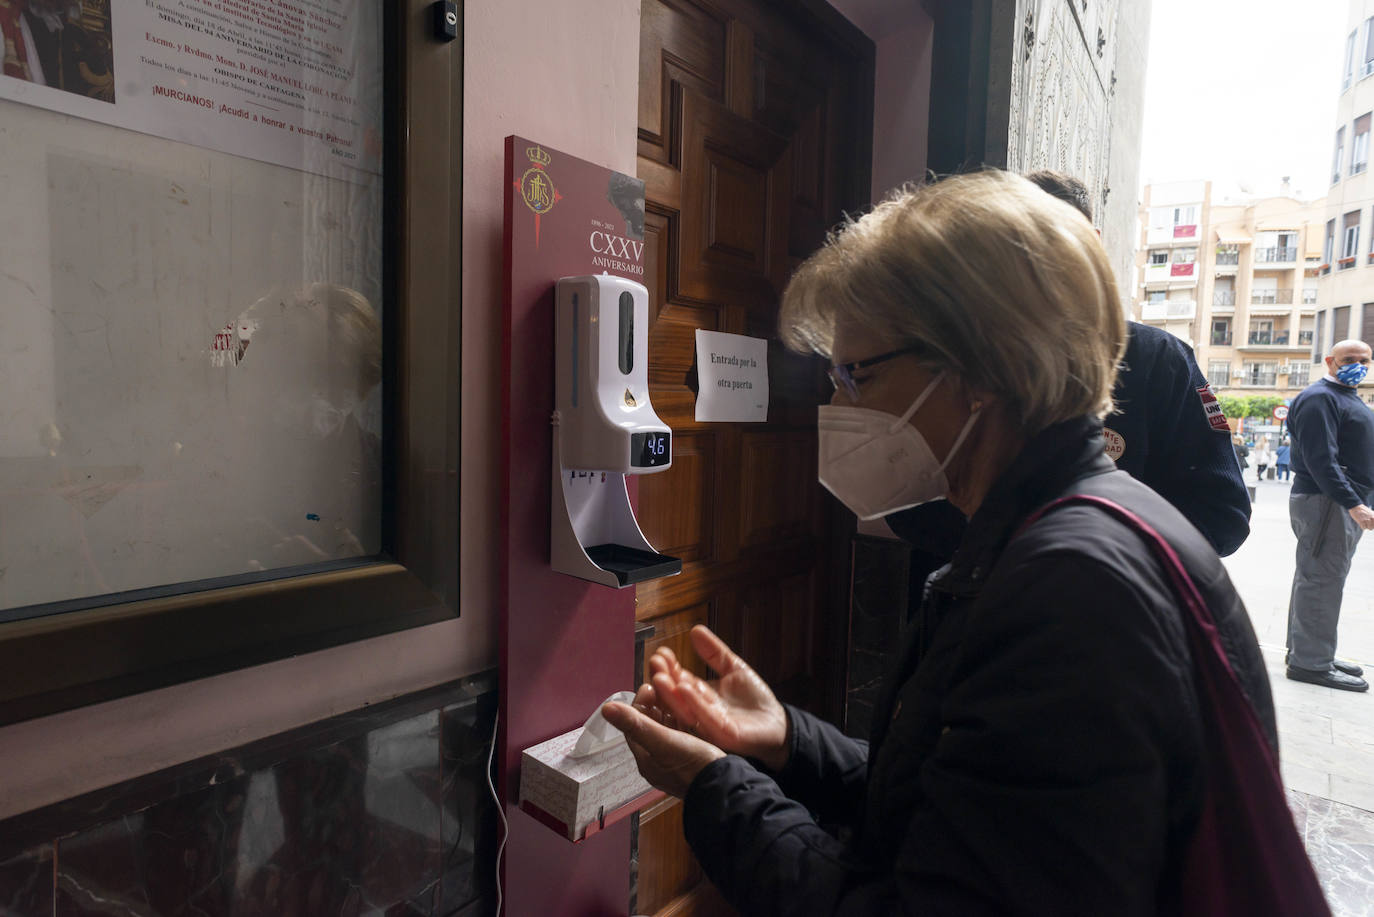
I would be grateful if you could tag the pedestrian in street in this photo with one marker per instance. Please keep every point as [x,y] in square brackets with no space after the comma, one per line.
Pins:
[1263,459]
[1281,456]
[1241,450]
[1333,482]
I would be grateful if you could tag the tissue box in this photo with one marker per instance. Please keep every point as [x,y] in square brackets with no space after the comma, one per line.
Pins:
[569,794]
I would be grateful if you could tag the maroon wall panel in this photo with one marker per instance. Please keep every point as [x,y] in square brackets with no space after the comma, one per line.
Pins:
[566,644]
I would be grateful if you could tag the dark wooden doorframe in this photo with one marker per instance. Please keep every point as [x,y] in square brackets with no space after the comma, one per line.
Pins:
[755,136]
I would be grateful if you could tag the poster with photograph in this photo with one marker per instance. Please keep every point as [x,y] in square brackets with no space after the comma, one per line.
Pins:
[297,83]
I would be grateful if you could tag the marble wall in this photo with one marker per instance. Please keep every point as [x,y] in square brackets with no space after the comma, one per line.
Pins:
[382,811]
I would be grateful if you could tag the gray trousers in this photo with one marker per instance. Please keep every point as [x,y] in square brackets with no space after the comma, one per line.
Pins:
[1327,538]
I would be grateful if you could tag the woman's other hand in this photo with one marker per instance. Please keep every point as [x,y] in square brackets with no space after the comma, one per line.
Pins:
[668,758]
[737,711]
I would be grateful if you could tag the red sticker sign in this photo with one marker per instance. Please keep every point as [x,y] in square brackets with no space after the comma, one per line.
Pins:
[1212,408]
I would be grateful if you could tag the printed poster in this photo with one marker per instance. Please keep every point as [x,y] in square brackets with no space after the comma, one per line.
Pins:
[297,83]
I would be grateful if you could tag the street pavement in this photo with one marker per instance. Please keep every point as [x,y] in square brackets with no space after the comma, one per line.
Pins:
[1326,737]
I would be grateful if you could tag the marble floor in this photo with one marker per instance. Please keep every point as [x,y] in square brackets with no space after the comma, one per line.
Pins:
[1340,841]
[1326,737]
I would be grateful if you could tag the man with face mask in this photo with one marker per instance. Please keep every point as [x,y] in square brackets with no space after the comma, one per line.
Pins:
[1333,481]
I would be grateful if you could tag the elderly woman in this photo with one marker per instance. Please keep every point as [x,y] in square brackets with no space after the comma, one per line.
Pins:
[1044,744]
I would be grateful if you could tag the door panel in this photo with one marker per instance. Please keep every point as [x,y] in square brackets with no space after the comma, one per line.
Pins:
[748,119]
[686,494]
[734,222]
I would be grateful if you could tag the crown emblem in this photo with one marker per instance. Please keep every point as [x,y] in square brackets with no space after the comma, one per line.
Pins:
[537,156]
[536,188]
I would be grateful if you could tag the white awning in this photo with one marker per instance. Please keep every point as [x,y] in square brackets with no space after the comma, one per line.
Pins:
[1233,235]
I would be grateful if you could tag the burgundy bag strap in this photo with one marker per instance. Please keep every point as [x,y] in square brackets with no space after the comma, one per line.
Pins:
[1245,857]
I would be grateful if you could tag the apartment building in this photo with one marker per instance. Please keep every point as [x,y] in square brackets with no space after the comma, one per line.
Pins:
[1237,281]
[1345,273]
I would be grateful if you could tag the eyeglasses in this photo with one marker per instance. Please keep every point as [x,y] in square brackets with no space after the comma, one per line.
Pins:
[842,374]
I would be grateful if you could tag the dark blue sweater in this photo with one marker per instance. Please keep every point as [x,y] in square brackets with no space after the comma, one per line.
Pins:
[1333,443]
[1173,444]
[1165,438]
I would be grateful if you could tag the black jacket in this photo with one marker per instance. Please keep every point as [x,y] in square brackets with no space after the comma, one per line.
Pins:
[1039,749]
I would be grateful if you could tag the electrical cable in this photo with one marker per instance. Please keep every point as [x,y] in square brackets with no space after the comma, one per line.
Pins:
[500,809]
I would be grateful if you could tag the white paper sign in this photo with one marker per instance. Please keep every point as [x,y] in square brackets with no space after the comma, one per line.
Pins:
[292,82]
[732,372]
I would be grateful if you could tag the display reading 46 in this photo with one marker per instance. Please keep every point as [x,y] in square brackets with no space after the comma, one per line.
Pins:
[649,450]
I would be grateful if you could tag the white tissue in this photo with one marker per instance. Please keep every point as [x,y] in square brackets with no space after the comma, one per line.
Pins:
[597,734]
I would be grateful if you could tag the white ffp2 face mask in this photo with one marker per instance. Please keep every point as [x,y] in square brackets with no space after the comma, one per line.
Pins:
[876,463]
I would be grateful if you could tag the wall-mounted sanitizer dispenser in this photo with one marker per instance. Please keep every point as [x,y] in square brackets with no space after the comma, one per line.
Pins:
[603,429]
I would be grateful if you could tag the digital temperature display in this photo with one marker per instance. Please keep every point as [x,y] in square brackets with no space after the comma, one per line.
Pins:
[649,450]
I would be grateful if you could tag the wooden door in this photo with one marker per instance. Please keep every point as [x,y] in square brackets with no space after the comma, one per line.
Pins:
[754,127]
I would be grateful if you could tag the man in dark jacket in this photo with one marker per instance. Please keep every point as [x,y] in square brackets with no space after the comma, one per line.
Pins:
[1333,483]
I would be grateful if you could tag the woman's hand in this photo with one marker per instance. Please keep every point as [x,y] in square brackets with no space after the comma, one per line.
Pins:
[668,758]
[736,712]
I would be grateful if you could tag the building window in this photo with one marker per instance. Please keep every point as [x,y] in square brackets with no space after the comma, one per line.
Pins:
[1228,254]
[1349,68]
[1155,295]
[1367,62]
[1261,332]
[1299,373]
[1317,338]
[1185,216]
[1350,238]
[1185,255]
[315,241]
[1340,323]
[1265,374]
[1219,373]
[1336,159]
[1221,332]
[1328,248]
[1359,148]
[1159,256]
[1367,320]
[1309,296]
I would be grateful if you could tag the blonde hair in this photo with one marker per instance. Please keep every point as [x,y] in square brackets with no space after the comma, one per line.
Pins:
[993,279]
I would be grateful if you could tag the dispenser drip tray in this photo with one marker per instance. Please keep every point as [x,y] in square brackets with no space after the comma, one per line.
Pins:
[631,565]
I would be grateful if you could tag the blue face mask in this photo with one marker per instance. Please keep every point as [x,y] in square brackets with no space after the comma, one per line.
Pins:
[1351,374]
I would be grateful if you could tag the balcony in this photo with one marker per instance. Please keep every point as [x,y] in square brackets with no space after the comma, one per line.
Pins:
[1345,264]
[1304,338]
[1171,310]
[1357,167]
[1177,273]
[1221,339]
[1271,340]
[1276,255]
[1309,297]
[1258,380]
[1223,297]
[1228,258]
[1271,297]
